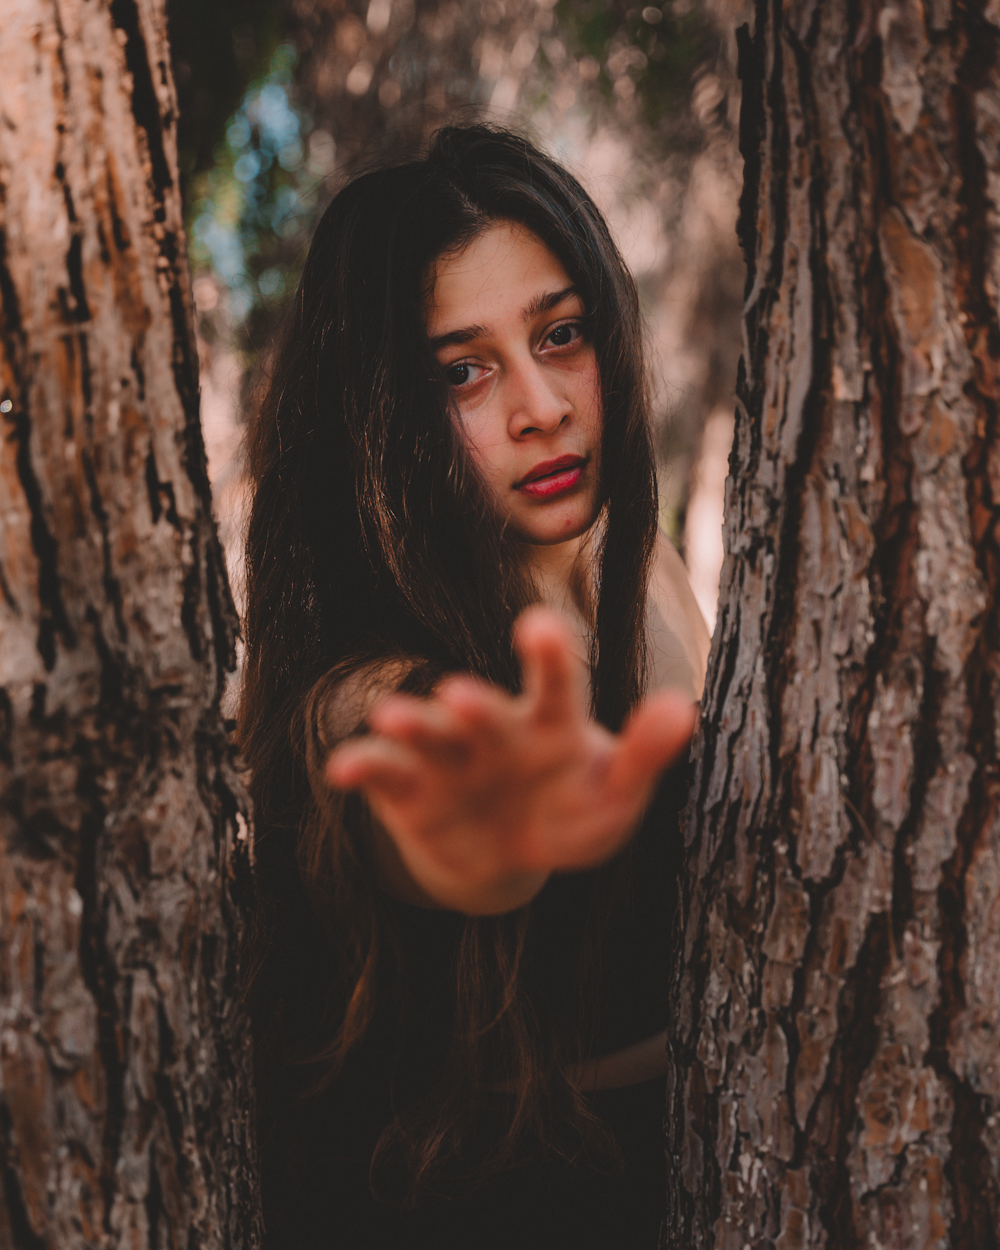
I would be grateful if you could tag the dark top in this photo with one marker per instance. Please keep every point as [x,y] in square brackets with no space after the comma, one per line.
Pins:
[316,1158]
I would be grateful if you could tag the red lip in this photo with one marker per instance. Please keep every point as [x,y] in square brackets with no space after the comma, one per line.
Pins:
[548,467]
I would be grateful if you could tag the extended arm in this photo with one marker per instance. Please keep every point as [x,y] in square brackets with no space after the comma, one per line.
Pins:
[484,794]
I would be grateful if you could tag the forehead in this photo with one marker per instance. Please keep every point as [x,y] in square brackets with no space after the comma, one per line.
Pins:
[493,278]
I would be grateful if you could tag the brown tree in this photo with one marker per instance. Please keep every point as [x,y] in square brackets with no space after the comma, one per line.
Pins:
[837,1013]
[124,1091]
[836,1061]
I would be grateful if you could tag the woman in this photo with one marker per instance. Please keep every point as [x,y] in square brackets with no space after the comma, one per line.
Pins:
[454,957]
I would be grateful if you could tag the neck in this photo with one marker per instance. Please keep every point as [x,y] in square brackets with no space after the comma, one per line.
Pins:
[564,577]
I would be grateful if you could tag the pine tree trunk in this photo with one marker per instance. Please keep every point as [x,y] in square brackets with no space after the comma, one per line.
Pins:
[124,1075]
[836,1040]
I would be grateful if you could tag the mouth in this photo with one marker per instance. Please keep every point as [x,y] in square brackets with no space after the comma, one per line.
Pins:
[552,477]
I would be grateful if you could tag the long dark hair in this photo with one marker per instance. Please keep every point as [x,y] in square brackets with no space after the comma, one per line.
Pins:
[372,548]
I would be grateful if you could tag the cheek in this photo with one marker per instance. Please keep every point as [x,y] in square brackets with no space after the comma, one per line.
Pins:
[482,444]
[589,402]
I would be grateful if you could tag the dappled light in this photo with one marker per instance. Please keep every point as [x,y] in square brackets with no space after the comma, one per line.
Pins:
[641,109]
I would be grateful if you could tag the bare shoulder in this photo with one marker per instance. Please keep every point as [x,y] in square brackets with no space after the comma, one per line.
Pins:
[344,699]
[341,703]
[678,636]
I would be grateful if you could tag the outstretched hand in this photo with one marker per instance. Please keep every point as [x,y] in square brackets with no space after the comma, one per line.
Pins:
[484,793]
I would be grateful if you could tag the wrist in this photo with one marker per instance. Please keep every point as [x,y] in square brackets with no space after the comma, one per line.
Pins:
[417,879]
[457,891]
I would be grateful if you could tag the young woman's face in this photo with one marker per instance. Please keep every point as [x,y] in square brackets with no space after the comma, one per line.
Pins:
[506,323]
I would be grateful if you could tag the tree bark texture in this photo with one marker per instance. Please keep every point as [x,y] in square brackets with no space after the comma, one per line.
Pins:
[124,1076]
[836,1040]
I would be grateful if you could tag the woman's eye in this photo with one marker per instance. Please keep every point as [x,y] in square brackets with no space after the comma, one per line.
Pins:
[463,373]
[565,334]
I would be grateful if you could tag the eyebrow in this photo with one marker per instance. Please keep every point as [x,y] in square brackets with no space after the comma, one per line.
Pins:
[539,304]
[545,303]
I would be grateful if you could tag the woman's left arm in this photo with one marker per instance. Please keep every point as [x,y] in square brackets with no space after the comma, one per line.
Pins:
[484,793]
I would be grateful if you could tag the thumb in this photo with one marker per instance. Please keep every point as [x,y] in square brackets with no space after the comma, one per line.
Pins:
[652,738]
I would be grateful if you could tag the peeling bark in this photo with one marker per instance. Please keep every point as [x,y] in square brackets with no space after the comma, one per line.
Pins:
[124,1070]
[836,1037]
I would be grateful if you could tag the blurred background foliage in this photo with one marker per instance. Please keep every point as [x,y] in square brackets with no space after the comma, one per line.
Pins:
[281,101]
[659,46]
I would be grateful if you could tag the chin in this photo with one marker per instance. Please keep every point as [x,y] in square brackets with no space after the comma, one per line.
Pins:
[562,531]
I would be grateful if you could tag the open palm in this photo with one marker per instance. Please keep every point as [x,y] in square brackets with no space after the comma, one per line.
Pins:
[478,788]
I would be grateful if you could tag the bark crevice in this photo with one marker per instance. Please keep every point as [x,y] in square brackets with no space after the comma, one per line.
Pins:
[53,620]
[23,1234]
[145,105]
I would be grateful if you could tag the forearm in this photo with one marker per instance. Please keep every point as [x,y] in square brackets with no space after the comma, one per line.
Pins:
[630,1066]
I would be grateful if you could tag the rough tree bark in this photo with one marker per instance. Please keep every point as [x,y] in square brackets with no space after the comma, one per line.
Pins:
[124,1107]
[836,1062]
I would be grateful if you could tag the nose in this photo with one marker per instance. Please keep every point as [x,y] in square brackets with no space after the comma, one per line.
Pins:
[537,404]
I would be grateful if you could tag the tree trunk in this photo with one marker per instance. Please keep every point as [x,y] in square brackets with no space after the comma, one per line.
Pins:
[124,1075]
[836,1039]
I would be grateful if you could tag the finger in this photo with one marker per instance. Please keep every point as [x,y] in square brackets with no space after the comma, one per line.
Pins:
[471,695]
[481,709]
[652,739]
[375,765]
[551,670]
[428,726]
